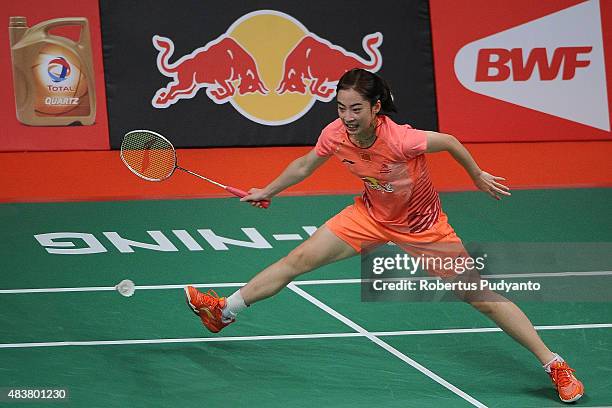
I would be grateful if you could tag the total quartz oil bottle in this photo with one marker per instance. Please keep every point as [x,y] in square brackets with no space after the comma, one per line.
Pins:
[53,76]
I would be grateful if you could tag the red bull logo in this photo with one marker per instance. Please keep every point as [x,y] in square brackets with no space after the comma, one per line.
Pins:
[216,67]
[322,64]
[269,78]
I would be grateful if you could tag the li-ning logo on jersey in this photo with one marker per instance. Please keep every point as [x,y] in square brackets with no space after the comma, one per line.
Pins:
[554,64]
[374,184]
[385,169]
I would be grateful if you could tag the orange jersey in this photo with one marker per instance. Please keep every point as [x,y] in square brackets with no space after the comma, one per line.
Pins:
[398,191]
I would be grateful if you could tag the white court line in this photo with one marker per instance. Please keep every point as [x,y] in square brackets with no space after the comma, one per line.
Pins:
[176,340]
[492,329]
[299,283]
[387,346]
[111,288]
[291,336]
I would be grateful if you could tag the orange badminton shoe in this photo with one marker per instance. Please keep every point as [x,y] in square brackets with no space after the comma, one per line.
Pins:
[569,387]
[208,306]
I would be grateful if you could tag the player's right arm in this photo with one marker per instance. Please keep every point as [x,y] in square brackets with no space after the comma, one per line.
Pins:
[295,172]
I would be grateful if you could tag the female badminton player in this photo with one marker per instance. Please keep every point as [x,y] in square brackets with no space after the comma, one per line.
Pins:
[399,204]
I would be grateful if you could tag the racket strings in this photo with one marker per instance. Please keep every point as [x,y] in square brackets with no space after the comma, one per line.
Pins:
[148,155]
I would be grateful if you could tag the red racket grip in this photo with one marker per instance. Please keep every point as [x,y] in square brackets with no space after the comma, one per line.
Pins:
[239,193]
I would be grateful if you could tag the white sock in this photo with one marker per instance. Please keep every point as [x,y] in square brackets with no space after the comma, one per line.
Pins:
[546,366]
[233,305]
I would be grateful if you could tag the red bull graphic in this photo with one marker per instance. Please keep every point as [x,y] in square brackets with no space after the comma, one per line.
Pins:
[215,66]
[269,78]
[323,63]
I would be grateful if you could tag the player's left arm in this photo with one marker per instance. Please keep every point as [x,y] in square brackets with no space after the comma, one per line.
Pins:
[490,184]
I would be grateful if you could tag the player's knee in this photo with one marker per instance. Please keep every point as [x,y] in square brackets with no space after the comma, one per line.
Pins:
[299,261]
[482,306]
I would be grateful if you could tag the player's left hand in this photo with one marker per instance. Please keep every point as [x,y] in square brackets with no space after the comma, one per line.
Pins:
[490,184]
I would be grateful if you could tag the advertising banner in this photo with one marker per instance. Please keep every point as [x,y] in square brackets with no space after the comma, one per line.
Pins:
[54,96]
[206,74]
[523,71]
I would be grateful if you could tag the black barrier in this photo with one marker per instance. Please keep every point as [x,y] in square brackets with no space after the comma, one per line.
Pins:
[210,73]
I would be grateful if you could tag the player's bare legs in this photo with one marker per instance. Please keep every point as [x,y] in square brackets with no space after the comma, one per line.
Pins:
[322,248]
[515,323]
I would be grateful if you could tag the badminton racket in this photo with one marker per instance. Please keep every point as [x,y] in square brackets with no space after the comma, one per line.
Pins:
[152,157]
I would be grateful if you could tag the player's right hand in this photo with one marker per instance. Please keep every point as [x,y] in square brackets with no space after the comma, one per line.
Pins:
[256,196]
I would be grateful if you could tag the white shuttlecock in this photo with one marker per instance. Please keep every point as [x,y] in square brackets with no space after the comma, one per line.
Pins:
[126,288]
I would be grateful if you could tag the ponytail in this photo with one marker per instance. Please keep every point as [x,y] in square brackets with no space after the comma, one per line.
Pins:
[386,97]
[369,85]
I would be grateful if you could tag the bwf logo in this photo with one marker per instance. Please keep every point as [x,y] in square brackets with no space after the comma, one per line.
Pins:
[554,65]
[499,64]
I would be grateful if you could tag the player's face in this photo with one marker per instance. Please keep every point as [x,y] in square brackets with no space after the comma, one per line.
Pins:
[356,112]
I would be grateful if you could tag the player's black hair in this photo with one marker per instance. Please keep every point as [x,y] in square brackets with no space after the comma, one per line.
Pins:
[369,85]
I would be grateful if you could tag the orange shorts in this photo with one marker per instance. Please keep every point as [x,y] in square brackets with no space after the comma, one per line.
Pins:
[356,227]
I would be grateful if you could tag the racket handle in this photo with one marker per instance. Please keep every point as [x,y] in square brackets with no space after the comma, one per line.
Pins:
[240,193]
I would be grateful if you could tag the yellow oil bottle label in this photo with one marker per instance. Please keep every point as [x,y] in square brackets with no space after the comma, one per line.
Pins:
[60,83]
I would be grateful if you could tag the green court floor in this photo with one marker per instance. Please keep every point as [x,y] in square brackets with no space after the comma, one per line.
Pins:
[314,344]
